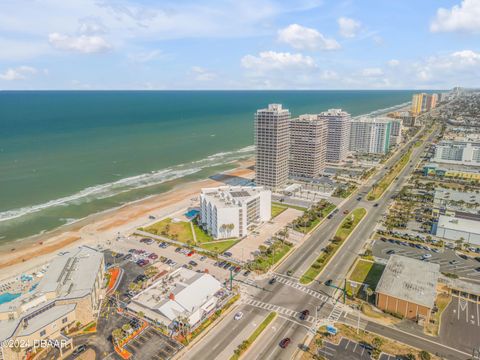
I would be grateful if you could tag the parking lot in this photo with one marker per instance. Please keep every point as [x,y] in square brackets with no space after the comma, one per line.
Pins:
[460,326]
[448,260]
[346,349]
[151,344]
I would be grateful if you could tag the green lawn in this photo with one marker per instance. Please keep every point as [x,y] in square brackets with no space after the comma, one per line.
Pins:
[251,339]
[200,234]
[383,184]
[180,231]
[329,208]
[349,223]
[277,209]
[219,246]
[366,272]
[346,227]
[264,262]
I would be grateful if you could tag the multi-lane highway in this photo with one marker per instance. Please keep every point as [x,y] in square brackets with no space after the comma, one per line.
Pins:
[287,294]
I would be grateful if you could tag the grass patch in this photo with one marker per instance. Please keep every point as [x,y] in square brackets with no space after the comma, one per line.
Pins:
[180,231]
[345,228]
[270,256]
[277,209]
[380,187]
[251,339]
[313,216]
[365,272]
[301,208]
[200,234]
[219,246]
[441,302]
[344,192]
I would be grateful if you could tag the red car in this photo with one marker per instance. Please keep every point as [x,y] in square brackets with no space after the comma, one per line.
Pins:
[285,342]
[191,253]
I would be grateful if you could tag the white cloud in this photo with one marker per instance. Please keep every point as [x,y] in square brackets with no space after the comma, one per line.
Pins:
[300,37]
[393,63]
[271,60]
[86,44]
[372,72]
[463,17]
[18,73]
[145,56]
[329,75]
[348,27]
[201,74]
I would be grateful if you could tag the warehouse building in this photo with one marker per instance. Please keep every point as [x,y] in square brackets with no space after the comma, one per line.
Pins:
[455,228]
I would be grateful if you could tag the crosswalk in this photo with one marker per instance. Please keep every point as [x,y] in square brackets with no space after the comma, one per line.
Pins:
[278,309]
[335,314]
[294,284]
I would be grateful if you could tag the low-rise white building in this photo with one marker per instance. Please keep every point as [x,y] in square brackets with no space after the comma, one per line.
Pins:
[457,152]
[453,228]
[184,295]
[229,211]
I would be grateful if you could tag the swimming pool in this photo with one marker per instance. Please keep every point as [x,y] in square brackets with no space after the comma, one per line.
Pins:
[191,213]
[7,297]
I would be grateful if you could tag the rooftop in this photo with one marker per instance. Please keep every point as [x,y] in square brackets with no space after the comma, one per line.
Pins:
[410,280]
[457,200]
[459,224]
[231,196]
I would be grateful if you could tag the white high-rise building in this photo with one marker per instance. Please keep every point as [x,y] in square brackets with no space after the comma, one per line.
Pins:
[272,142]
[396,132]
[457,152]
[229,211]
[338,134]
[308,146]
[370,135]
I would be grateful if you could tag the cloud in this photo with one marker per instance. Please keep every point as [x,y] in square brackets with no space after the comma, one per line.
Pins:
[463,17]
[348,27]
[393,63]
[18,73]
[86,44]
[145,56]
[303,38]
[271,60]
[372,72]
[201,74]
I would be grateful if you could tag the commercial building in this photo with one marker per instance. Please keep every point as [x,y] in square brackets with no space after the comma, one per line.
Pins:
[272,142]
[69,292]
[451,202]
[457,152]
[338,134]
[456,228]
[433,169]
[408,287]
[308,146]
[230,211]
[423,102]
[370,135]
[182,297]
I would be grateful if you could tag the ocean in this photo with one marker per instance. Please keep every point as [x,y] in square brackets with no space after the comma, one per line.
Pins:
[67,154]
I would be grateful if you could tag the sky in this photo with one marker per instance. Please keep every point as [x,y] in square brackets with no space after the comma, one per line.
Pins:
[239,44]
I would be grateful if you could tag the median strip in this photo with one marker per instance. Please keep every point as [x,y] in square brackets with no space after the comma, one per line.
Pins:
[243,347]
[343,232]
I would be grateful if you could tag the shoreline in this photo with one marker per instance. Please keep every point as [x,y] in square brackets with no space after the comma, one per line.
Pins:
[102,227]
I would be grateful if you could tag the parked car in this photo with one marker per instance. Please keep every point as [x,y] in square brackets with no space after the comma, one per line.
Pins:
[203,258]
[375,205]
[346,211]
[191,253]
[246,273]
[390,252]
[128,257]
[238,315]
[193,263]
[178,249]
[426,256]
[285,342]
[79,349]
[153,256]
[227,254]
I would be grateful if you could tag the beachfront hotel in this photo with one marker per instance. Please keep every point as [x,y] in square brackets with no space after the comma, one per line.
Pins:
[272,139]
[423,102]
[308,145]
[230,211]
[370,135]
[68,293]
[338,134]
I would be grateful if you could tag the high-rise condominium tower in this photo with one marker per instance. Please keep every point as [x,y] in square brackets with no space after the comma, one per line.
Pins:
[338,134]
[370,135]
[272,141]
[308,146]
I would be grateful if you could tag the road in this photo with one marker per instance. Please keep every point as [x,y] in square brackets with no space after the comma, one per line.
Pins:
[295,299]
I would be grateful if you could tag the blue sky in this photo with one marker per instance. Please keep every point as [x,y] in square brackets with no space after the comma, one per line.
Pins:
[239,44]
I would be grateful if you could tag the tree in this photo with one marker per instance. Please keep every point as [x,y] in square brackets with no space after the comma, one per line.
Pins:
[369,293]
[117,335]
[126,327]
[424,355]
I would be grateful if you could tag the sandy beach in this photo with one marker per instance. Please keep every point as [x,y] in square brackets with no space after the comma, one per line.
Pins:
[100,229]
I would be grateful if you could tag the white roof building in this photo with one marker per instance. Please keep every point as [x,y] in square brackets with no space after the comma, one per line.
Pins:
[183,294]
[453,228]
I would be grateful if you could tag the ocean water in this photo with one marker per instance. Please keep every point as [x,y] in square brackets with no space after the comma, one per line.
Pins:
[65,155]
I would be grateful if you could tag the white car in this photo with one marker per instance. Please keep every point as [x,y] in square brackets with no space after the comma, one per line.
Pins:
[426,256]
[238,316]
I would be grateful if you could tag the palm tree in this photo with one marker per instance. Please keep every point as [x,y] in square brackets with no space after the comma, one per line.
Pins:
[369,293]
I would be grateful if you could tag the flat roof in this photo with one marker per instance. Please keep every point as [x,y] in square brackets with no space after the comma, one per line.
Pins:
[411,280]
[459,224]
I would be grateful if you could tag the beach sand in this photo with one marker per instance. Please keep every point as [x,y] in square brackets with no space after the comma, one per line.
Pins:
[102,228]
